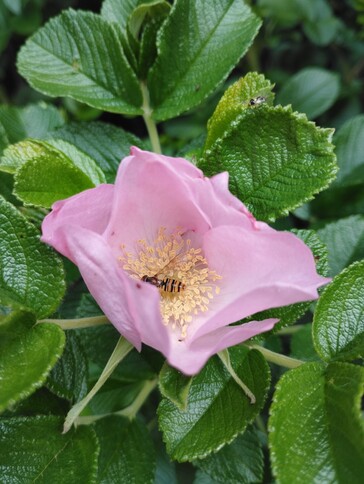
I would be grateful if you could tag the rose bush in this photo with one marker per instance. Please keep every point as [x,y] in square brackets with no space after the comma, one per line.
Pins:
[173,258]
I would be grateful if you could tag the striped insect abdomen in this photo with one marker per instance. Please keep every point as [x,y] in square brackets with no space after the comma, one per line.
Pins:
[171,285]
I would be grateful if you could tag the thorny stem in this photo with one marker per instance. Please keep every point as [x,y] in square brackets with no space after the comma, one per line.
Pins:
[150,124]
[122,348]
[277,358]
[225,358]
[77,323]
[129,412]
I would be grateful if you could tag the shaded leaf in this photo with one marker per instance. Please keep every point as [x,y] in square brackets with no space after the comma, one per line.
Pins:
[240,462]
[312,91]
[80,55]
[338,327]
[28,353]
[33,449]
[31,274]
[345,242]
[316,432]
[210,38]
[126,451]
[214,397]
[276,159]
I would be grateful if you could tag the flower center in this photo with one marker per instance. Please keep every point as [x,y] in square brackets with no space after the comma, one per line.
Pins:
[179,270]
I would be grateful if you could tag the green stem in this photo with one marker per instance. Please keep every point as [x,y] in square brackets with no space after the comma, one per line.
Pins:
[290,330]
[225,358]
[122,348]
[77,323]
[149,122]
[277,358]
[129,412]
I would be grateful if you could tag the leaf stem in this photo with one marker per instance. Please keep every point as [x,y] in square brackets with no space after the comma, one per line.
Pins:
[77,323]
[225,358]
[129,412]
[149,122]
[290,330]
[122,348]
[277,358]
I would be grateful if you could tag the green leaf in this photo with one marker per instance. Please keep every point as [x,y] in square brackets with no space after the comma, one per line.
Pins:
[115,395]
[80,55]
[214,397]
[338,327]
[127,454]
[15,6]
[4,141]
[165,472]
[338,202]
[143,28]
[345,242]
[6,188]
[321,26]
[32,121]
[318,248]
[175,386]
[283,12]
[48,175]
[31,274]
[33,449]
[104,143]
[81,160]
[240,462]
[4,27]
[68,379]
[28,353]
[119,11]
[312,91]
[302,344]
[144,13]
[41,402]
[276,159]
[316,432]
[235,100]
[18,154]
[349,142]
[211,37]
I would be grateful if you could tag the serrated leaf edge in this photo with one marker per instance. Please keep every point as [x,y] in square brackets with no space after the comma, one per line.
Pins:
[158,45]
[187,458]
[302,118]
[132,112]
[42,378]
[322,297]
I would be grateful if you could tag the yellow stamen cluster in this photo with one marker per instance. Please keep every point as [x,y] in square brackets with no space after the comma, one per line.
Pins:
[172,256]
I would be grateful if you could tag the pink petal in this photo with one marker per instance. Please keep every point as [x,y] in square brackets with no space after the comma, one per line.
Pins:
[152,192]
[260,270]
[238,213]
[90,209]
[128,304]
[190,358]
[180,165]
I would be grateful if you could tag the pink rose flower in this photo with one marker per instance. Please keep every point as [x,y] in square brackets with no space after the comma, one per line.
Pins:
[172,258]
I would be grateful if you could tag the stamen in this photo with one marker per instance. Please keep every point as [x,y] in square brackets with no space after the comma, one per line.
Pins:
[169,261]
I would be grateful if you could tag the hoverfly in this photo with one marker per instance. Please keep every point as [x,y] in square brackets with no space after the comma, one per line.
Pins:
[167,284]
